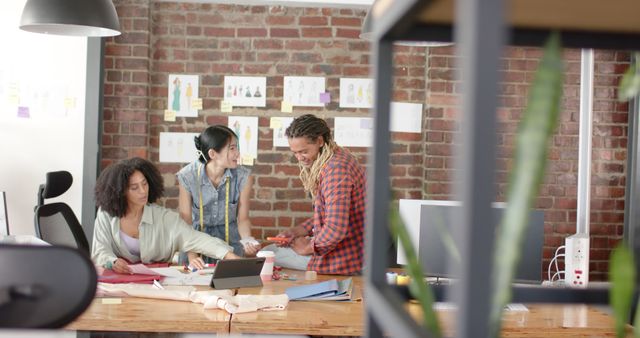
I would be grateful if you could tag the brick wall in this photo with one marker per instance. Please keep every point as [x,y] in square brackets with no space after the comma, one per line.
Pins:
[273,41]
[558,194]
[214,40]
[126,87]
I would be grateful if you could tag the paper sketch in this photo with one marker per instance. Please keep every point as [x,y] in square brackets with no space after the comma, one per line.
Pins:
[356,93]
[245,91]
[303,90]
[182,90]
[279,125]
[246,128]
[177,147]
[353,131]
[406,117]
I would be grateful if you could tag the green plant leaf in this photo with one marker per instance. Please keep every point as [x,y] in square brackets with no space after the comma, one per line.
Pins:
[418,288]
[630,84]
[636,321]
[536,128]
[622,275]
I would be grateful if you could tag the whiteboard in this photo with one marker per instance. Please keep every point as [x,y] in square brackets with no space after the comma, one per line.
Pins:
[43,116]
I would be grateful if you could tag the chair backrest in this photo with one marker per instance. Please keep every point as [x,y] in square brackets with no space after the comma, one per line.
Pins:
[57,224]
[44,286]
[56,184]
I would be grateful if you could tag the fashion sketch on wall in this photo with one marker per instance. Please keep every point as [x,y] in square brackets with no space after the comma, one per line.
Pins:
[356,93]
[246,128]
[303,90]
[183,89]
[245,91]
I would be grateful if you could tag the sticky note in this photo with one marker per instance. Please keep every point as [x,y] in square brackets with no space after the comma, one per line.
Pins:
[226,106]
[69,102]
[111,300]
[13,99]
[170,115]
[286,107]
[325,97]
[275,123]
[247,160]
[196,103]
[23,112]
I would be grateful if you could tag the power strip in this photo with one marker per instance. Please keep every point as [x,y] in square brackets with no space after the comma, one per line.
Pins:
[576,261]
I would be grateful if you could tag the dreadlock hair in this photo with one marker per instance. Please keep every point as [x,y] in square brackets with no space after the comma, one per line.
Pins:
[113,182]
[312,127]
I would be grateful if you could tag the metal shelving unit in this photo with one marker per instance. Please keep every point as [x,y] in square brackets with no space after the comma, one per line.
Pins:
[482,28]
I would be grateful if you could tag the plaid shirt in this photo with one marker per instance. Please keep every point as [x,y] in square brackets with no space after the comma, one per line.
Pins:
[337,225]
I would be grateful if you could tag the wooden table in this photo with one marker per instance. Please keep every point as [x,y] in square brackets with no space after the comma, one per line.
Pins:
[328,318]
[544,320]
[151,315]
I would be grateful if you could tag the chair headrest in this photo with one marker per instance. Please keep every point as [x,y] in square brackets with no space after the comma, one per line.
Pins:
[57,183]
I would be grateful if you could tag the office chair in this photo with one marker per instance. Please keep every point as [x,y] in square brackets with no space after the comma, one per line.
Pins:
[44,286]
[56,223]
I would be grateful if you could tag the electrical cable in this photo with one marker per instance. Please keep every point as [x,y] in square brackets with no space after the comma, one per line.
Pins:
[554,260]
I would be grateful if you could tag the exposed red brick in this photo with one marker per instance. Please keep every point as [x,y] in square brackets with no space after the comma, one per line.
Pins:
[343,21]
[316,32]
[348,33]
[284,33]
[252,32]
[219,32]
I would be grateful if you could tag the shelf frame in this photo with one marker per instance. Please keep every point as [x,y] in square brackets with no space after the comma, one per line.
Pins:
[480,34]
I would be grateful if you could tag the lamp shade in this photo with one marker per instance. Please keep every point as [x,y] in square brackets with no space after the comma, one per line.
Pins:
[71,17]
[366,33]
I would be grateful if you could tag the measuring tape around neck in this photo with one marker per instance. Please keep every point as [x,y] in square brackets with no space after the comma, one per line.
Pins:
[226,206]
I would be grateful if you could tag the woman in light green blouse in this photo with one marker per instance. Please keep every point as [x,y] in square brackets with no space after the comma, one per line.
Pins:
[130,228]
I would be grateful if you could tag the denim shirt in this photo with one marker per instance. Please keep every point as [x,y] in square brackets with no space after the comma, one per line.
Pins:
[213,200]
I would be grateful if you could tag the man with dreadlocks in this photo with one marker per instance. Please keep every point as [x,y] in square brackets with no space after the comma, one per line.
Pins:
[333,237]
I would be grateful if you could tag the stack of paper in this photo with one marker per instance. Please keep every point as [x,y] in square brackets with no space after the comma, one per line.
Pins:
[139,274]
[173,276]
[329,290]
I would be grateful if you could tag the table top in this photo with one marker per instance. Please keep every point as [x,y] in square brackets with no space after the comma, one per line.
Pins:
[327,318]
[549,320]
[151,315]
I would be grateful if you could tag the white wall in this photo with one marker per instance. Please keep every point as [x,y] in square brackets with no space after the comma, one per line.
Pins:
[47,74]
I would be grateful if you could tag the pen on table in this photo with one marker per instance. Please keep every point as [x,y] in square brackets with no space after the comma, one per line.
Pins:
[157,284]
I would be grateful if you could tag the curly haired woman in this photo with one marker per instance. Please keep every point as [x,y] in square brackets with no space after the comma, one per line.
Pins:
[130,228]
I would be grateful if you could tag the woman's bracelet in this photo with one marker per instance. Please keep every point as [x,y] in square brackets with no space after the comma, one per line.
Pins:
[109,265]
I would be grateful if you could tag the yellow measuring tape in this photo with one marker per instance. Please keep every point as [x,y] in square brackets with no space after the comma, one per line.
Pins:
[226,207]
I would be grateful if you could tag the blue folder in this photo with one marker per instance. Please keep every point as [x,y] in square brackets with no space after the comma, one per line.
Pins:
[313,291]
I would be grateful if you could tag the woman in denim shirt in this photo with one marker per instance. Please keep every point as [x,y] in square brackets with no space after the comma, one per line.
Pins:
[204,187]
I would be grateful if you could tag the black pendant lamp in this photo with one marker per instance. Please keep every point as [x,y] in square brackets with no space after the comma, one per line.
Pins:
[366,33]
[71,17]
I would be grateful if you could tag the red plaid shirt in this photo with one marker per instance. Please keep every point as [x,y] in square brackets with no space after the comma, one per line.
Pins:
[337,225]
